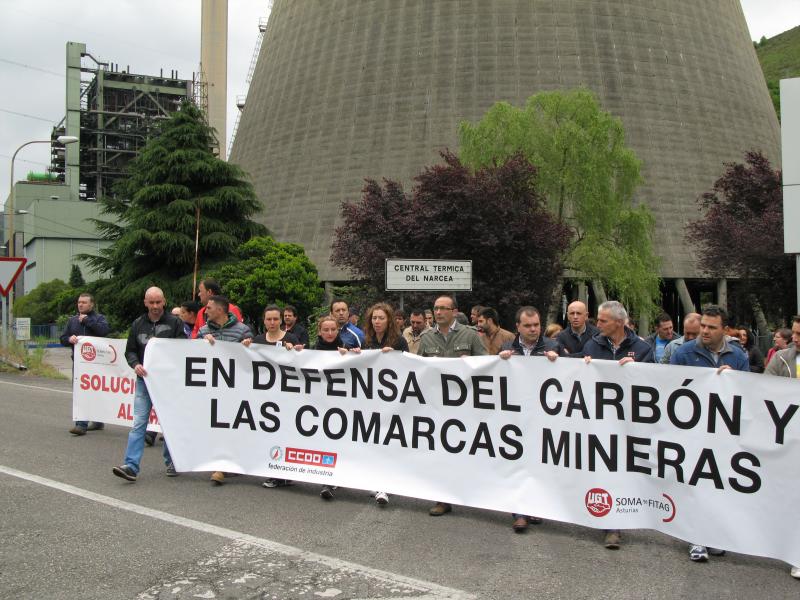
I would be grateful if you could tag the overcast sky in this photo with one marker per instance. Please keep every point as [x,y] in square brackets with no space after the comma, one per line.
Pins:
[149,35]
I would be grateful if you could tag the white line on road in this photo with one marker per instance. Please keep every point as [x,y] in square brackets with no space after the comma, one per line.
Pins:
[434,590]
[37,387]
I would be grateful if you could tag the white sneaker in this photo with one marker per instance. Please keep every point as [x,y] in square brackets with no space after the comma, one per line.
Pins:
[795,572]
[382,498]
[698,553]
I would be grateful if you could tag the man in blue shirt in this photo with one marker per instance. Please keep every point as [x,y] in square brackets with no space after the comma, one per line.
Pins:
[351,335]
[710,349]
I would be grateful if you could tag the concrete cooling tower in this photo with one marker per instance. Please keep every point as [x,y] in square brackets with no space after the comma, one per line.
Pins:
[349,89]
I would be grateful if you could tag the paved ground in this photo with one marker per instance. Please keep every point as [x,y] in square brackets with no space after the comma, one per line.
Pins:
[69,529]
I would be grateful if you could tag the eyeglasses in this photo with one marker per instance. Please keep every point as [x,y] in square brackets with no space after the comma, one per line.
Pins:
[443,308]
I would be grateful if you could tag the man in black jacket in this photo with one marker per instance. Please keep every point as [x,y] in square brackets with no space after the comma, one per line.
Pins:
[571,340]
[290,325]
[528,342]
[86,322]
[154,323]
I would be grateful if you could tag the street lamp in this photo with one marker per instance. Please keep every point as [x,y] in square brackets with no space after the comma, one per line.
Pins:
[62,139]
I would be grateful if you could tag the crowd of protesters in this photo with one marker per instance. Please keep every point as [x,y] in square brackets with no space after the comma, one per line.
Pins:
[707,340]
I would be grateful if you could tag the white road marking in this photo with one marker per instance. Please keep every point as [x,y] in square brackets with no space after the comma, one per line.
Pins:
[434,591]
[37,387]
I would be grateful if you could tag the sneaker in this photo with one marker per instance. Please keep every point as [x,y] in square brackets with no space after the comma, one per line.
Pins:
[716,551]
[171,472]
[326,493]
[612,540]
[77,430]
[95,426]
[382,498]
[125,472]
[271,482]
[698,553]
[150,438]
[218,477]
[439,509]
[795,572]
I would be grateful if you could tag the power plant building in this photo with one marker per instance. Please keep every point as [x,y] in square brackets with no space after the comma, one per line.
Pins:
[351,89]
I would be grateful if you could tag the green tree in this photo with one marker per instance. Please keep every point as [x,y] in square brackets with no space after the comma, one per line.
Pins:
[76,277]
[154,215]
[588,176]
[270,272]
[47,302]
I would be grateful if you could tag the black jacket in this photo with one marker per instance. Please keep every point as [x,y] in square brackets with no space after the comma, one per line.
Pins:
[633,346]
[543,345]
[300,332]
[570,344]
[401,344]
[142,329]
[94,324]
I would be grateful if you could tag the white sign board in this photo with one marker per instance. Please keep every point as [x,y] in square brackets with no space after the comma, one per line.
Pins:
[412,274]
[10,268]
[790,143]
[23,327]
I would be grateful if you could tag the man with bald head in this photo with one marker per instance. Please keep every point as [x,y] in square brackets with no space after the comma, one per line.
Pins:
[154,323]
[691,329]
[571,340]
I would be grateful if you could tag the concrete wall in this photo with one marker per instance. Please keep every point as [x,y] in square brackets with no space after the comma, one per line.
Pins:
[351,89]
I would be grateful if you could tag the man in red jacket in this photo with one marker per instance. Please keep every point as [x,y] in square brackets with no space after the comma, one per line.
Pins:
[206,289]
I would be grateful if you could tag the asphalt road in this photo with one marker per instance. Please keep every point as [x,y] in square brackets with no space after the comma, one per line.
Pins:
[70,529]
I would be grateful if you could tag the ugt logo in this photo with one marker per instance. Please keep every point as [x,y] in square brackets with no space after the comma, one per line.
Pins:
[598,502]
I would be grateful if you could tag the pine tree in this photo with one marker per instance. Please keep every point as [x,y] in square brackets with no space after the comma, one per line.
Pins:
[154,216]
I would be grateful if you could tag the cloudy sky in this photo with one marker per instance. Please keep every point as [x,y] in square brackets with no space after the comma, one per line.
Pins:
[149,35]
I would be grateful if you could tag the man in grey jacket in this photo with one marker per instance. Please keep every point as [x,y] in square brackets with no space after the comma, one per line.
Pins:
[221,324]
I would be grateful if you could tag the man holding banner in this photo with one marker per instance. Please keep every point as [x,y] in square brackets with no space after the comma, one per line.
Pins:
[710,349]
[86,322]
[154,323]
[448,339]
[615,341]
[528,342]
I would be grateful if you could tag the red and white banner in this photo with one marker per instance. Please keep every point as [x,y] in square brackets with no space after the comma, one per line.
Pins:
[103,385]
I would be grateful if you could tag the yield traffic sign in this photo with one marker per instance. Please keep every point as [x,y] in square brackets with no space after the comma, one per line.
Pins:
[10,268]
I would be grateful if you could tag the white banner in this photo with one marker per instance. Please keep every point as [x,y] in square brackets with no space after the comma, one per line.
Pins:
[103,385]
[706,457]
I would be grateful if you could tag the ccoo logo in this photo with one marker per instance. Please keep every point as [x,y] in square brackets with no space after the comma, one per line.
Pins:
[598,502]
[275,453]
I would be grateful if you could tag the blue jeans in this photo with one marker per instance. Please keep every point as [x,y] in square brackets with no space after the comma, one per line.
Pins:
[141,416]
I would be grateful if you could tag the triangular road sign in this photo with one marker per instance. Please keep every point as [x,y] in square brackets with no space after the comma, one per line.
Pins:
[10,268]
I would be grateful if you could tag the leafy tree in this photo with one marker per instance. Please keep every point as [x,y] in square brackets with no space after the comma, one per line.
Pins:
[493,216]
[270,272]
[741,235]
[47,302]
[76,277]
[154,212]
[588,176]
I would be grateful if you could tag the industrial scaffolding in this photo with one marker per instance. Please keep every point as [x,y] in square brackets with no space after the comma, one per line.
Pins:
[114,114]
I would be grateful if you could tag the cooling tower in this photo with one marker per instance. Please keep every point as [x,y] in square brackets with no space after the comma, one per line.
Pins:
[350,89]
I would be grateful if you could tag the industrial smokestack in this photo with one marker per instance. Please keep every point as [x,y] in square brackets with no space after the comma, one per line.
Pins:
[214,65]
